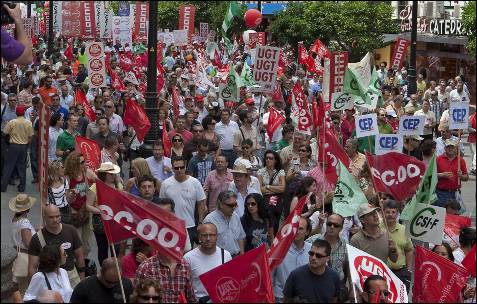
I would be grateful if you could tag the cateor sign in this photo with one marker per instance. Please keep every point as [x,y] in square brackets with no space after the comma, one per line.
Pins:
[427,224]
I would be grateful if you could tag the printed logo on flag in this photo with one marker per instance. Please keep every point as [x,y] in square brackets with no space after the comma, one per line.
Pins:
[427,224]
[459,115]
[367,125]
[342,101]
[411,125]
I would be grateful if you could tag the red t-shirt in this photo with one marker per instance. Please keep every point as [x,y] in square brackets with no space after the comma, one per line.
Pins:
[446,165]
[46,94]
[472,136]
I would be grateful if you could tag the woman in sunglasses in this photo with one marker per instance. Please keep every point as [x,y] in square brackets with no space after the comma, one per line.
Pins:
[177,145]
[146,291]
[256,223]
[300,167]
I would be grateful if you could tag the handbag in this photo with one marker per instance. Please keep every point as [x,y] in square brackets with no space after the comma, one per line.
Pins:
[274,201]
[20,265]
[81,217]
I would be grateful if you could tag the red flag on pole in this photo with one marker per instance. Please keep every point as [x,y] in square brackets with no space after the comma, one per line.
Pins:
[175,103]
[285,236]
[116,82]
[90,150]
[88,109]
[135,116]
[436,279]
[245,279]
[453,225]
[166,142]
[333,152]
[69,52]
[160,77]
[469,261]
[305,121]
[302,54]
[125,62]
[127,216]
[275,119]
[401,179]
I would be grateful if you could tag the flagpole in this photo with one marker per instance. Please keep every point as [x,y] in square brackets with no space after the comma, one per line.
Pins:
[119,273]
[258,121]
[377,192]
[458,161]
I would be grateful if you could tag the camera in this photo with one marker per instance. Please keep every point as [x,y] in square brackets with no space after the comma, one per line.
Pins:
[5,16]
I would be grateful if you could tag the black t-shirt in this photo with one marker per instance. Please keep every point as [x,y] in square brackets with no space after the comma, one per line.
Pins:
[68,238]
[256,233]
[303,286]
[101,139]
[91,290]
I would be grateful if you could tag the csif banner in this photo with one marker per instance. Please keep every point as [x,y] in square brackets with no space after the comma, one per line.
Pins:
[427,224]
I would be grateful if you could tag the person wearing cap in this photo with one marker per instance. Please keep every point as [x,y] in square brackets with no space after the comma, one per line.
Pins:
[243,183]
[430,121]
[396,104]
[20,131]
[199,101]
[411,146]
[21,230]
[393,120]
[446,134]
[107,173]
[371,238]
[451,170]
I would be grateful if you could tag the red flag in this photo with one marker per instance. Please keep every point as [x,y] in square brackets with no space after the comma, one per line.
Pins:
[88,109]
[285,236]
[305,121]
[116,82]
[320,49]
[453,225]
[166,142]
[182,298]
[469,261]
[175,103]
[319,113]
[90,150]
[245,279]
[125,62]
[135,116]
[436,279]
[275,119]
[160,77]
[333,152]
[396,174]
[127,216]
[302,54]
[69,52]
[399,54]
[277,93]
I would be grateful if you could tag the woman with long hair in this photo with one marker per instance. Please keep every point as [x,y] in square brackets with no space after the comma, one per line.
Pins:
[139,167]
[79,178]
[58,190]
[248,153]
[303,164]
[107,173]
[209,123]
[256,223]
[307,186]
[50,275]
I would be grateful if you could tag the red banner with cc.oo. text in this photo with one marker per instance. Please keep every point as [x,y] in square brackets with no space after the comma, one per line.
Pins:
[400,51]
[187,18]
[142,16]
[88,23]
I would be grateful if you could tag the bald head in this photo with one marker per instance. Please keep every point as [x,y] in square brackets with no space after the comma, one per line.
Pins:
[109,263]
[206,227]
[50,209]
[52,218]
[49,296]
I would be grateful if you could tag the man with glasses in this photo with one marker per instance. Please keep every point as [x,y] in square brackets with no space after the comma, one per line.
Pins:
[93,128]
[375,290]
[188,195]
[231,235]
[191,147]
[47,90]
[159,165]
[66,140]
[181,130]
[104,132]
[204,258]
[314,282]
[297,256]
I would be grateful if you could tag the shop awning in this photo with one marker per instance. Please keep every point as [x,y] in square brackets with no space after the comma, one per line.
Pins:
[459,40]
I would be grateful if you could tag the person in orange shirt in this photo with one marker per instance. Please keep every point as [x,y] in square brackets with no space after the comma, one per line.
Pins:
[47,90]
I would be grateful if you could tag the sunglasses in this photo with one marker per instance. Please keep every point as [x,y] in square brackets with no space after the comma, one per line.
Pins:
[109,107]
[252,204]
[231,206]
[383,292]
[179,168]
[98,114]
[303,151]
[316,254]
[177,140]
[330,224]
[148,297]
[270,157]
[197,131]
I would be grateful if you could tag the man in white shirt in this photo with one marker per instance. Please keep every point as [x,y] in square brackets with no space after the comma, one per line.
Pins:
[430,121]
[204,258]
[459,94]
[115,121]
[225,130]
[65,98]
[187,192]
[159,165]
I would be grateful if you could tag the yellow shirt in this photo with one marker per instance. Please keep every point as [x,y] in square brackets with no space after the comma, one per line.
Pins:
[20,130]
[403,245]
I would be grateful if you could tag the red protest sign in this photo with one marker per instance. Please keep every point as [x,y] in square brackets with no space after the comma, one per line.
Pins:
[265,68]
[90,150]
[401,179]
[453,225]
[142,17]
[399,54]
[80,98]
[87,19]
[285,236]
[436,279]
[187,19]
[136,117]
[338,64]
[301,110]
[245,279]
[127,216]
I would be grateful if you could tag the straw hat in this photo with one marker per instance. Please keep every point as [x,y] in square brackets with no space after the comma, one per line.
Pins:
[242,166]
[109,167]
[21,202]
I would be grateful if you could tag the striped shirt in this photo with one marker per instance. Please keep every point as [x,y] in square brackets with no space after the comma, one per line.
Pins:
[437,107]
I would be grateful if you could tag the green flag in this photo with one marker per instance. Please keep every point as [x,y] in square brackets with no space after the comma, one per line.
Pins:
[232,12]
[374,97]
[139,48]
[231,90]
[348,195]
[246,75]
[83,59]
[426,193]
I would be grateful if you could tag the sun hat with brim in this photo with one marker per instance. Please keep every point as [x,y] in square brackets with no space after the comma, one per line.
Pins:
[240,168]
[451,142]
[365,208]
[109,167]
[61,77]
[21,202]
[416,137]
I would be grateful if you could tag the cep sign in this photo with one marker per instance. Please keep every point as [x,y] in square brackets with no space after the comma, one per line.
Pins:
[459,115]
[385,143]
[366,125]
[411,125]
[427,224]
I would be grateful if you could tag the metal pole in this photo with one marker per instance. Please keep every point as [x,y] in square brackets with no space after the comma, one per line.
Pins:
[259,6]
[412,86]
[28,9]
[151,97]
[51,35]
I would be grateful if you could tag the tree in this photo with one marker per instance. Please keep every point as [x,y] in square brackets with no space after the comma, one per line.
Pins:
[468,20]
[353,26]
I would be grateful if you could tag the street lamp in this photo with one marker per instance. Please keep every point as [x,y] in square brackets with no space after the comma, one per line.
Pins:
[152,110]
[412,85]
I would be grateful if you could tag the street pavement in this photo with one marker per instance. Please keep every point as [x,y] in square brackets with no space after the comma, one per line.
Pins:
[468,193]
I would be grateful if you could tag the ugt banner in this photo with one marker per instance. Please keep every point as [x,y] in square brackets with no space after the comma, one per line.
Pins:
[90,150]
[127,216]
[401,179]
[400,51]
[245,279]
[265,68]
[362,265]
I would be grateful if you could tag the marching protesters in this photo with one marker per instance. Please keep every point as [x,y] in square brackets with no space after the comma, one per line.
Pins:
[59,193]
[357,159]
[224,129]
[256,222]
[159,164]
[65,144]
[231,235]
[191,147]
[139,167]
[241,184]
[205,257]
[54,131]
[140,251]
[103,287]
[104,132]
[217,180]
[55,231]
[93,127]
[201,164]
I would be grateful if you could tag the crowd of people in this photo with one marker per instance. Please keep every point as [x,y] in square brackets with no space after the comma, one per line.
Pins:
[230,182]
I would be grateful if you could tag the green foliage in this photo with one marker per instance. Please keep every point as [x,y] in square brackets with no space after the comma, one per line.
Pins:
[468,20]
[353,26]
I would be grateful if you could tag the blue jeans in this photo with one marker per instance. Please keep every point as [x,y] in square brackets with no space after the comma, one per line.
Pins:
[442,197]
[15,160]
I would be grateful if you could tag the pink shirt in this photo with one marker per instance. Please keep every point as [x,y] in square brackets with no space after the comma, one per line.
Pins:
[215,184]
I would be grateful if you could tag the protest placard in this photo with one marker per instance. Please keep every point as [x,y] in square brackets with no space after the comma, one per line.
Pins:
[366,125]
[427,223]
[385,143]
[459,116]
[411,125]
[265,68]
[180,37]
